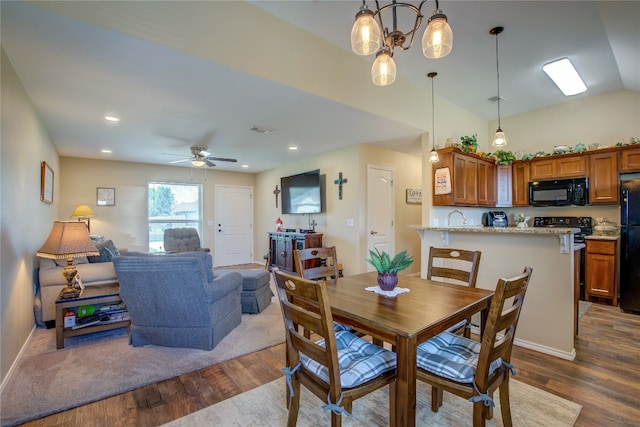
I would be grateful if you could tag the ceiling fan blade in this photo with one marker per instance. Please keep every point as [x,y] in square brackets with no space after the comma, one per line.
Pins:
[209,163]
[222,159]
[180,161]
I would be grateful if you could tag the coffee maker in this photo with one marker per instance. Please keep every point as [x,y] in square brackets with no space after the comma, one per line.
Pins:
[495,219]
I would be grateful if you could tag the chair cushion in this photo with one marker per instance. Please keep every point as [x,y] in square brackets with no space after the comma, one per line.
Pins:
[452,356]
[359,360]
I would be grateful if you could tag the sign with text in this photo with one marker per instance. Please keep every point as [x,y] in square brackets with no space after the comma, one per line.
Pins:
[442,181]
[414,195]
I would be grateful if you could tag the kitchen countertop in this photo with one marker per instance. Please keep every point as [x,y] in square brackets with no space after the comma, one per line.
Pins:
[511,230]
[601,237]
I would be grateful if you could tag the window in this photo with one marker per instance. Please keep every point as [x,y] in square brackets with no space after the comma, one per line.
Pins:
[172,206]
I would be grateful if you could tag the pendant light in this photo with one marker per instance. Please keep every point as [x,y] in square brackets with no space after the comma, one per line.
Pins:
[383,72]
[433,157]
[499,140]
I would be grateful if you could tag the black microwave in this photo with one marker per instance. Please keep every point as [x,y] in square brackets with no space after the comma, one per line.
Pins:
[559,192]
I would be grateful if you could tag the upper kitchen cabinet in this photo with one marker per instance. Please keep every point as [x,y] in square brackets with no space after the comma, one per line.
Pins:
[456,179]
[521,178]
[566,166]
[604,185]
[630,160]
[504,184]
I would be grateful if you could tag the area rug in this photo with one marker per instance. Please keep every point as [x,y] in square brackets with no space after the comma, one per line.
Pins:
[95,366]
[265,406]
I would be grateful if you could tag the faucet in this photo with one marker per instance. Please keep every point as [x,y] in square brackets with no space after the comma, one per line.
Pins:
[464,219]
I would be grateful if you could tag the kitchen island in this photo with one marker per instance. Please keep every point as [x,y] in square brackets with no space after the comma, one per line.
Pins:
[547,320]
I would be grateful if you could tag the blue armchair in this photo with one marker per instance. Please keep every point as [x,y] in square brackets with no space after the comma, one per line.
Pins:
[175,300]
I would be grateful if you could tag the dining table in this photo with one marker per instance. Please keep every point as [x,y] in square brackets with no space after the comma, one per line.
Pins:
[405,321]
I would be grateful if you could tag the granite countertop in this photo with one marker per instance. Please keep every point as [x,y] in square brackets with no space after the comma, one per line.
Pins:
[511,230]
[601,237]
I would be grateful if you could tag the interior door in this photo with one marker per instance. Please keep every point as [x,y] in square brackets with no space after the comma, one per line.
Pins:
[380,211]
[234,225]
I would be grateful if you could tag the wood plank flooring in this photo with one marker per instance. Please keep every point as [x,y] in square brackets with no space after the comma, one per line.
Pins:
[604,378]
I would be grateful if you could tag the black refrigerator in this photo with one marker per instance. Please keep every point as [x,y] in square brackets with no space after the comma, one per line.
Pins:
[630,242]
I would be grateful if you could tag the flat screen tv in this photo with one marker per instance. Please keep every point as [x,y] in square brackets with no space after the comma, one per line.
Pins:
[301,193]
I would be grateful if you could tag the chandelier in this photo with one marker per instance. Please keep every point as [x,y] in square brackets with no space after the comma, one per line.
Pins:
[370,35]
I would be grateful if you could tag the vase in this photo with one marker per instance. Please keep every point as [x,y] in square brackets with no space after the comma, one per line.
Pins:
[387,281]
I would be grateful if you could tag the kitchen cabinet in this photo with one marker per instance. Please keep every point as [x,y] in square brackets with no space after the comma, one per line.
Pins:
[571,166]
[601,264]
[486,183]
[465,180]
[520,173]
[282,244]
[630,160]
[604,183]
[504,185]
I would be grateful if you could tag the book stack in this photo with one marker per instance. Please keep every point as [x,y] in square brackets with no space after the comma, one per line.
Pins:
[105,314]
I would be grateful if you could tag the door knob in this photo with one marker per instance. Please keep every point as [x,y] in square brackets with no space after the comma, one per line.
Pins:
[373,232]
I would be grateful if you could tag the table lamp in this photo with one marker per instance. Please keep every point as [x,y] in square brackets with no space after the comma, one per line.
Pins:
[68,240]
[83,212]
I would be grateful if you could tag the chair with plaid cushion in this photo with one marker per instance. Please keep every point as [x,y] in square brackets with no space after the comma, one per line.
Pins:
[339,368]
[319,263]
[458,265]
[475,370]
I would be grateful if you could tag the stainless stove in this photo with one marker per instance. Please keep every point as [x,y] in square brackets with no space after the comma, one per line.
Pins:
[584,223]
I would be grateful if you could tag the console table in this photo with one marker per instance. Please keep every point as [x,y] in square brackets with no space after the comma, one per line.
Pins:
[282,244]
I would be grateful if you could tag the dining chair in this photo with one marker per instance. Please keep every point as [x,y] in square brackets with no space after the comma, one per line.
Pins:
[457,264]
[474,370]
[340,367]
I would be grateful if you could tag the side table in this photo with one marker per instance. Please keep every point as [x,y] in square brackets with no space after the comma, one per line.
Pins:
[91,295]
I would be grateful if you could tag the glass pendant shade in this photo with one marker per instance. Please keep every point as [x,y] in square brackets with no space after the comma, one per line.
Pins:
[500,139]
[383,72]
[365,33]
[437,39]
[433,156]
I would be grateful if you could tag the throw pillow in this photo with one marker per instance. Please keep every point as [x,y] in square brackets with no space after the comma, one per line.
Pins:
[107,251]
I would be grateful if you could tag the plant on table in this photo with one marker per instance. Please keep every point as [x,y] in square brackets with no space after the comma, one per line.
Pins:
[388,267]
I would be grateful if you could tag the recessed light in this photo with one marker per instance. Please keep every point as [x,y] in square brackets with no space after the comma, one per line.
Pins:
[244,166]
[105,151]
[565,76]
[293,147]
[111,118]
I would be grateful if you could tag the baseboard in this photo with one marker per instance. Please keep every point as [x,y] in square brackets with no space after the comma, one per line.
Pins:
[537,347]
[5,380]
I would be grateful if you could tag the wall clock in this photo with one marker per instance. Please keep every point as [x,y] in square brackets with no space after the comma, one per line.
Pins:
[106,196]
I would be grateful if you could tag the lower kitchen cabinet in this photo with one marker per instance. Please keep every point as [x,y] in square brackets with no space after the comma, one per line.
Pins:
[601,276]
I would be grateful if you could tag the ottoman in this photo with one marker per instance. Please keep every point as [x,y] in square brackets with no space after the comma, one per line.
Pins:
[256,293]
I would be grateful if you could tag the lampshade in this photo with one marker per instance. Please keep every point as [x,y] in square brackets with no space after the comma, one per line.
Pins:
[68,239]
[383,72]
[365,33]
[437,39]
[500,139]
[82,211]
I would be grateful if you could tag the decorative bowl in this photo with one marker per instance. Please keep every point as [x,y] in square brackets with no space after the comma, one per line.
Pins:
[560,149]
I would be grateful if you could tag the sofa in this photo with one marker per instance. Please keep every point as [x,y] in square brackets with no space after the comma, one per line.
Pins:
[175,300]
[95,270]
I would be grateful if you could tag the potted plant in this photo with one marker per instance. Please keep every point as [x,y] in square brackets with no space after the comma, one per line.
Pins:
[388,267]
[469,143]
[503,157]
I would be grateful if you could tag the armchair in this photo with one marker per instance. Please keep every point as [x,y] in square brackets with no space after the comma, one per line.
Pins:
[182,240]
[175,300]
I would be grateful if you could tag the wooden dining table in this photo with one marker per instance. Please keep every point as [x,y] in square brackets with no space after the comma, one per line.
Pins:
[405,320]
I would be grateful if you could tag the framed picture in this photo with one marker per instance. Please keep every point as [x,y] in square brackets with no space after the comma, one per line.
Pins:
[106,196]
[46,183]
[414,196]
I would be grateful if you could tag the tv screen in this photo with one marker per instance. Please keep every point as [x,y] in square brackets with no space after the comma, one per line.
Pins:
[301,193]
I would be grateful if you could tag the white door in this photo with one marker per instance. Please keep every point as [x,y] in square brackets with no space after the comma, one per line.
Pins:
[234,225]
[380,211]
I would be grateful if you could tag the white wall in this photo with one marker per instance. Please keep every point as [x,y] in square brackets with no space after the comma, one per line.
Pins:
[25,221]
[126,222]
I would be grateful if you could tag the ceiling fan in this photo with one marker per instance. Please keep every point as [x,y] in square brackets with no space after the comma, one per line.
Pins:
[200,157]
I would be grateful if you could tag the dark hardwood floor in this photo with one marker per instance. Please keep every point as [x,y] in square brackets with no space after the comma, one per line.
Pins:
[604,378]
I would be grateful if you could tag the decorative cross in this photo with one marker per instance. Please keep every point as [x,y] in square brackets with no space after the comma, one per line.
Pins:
[276,192]
[340,181]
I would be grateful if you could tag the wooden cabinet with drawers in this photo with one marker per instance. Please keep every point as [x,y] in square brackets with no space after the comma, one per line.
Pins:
[282,244]
[601,275]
